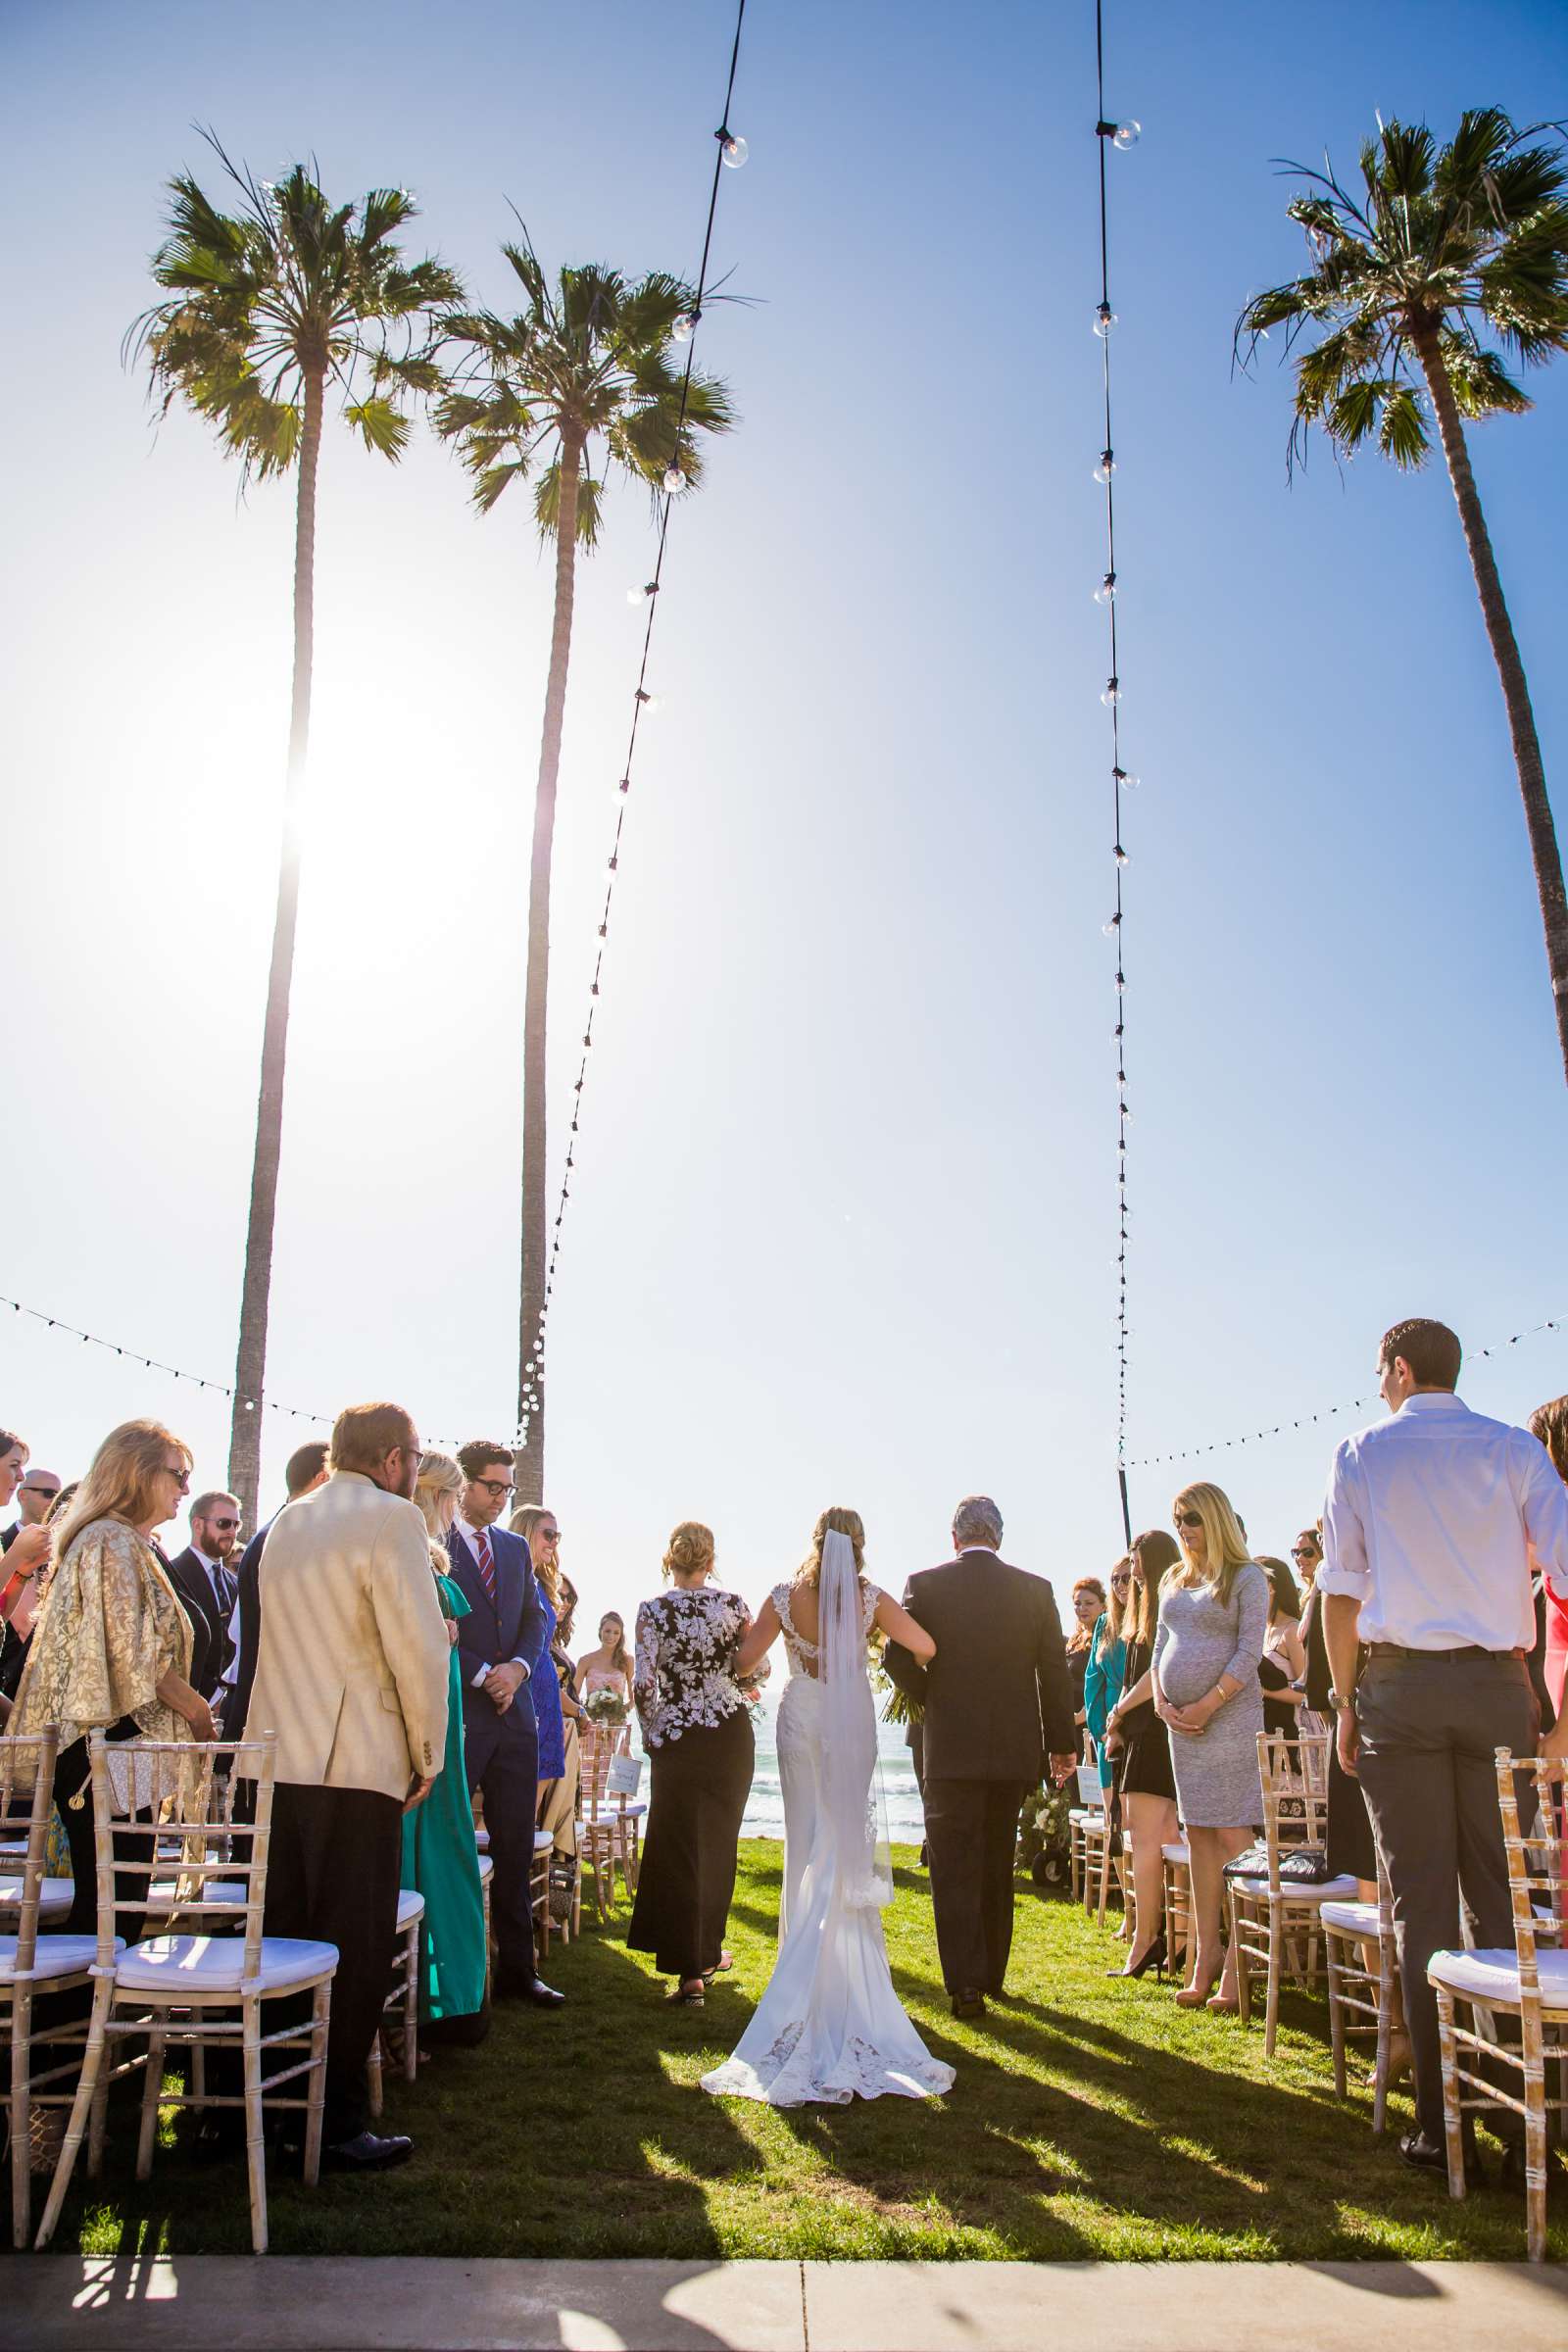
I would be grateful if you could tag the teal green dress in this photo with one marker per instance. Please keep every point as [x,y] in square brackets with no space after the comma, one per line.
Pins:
[441,1860]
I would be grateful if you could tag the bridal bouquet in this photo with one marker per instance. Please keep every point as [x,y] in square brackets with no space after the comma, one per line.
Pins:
[897,1706]
[605,1707]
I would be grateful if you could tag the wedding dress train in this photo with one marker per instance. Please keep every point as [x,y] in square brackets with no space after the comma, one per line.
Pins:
[829,2026]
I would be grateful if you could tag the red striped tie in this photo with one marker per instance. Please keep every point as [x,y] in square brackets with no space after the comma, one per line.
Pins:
[487,1568]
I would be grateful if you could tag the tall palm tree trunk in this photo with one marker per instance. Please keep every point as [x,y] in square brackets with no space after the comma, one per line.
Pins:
[1544,846]
[250,1369]
[530,1461]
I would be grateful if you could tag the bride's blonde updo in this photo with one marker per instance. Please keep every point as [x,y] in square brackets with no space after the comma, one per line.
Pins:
[835,1521]
[690,1550]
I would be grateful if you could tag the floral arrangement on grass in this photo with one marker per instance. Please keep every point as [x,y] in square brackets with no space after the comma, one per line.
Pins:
[1045,1836]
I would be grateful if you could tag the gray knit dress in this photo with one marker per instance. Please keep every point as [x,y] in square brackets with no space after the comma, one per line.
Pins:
[1198,1639]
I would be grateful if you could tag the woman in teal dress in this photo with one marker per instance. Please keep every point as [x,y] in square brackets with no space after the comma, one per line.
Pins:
[1106,1672]
[439,1855]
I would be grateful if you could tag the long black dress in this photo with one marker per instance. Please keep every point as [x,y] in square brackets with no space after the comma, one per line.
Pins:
[1351,1848]
[701,1751]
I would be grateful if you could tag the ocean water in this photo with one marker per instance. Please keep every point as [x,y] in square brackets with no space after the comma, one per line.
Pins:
[764,1809]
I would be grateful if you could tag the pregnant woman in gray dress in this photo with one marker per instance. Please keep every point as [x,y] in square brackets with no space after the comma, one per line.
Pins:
[1213,1615]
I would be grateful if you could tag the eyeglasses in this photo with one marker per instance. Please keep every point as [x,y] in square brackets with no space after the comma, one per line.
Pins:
[495,1485]
[1189,1519]
[224,1523]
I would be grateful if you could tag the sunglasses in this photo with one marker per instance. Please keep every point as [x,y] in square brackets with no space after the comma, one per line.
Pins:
[1303,1551]
[28,1488]
[1120,1583]
[223,1522]
[1189,1519]
[182,1478]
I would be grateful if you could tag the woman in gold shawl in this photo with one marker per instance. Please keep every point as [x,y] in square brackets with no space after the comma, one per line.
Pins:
[111,1646]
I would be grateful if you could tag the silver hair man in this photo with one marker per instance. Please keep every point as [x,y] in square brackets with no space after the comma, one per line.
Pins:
[977,1520]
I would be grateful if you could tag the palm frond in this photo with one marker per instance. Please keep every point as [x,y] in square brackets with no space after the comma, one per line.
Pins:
[379,425]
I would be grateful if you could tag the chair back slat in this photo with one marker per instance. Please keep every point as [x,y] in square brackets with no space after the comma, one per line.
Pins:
[1295,1771]
[597,1747]
[27,1775]
[158,1817]
[1531,1804]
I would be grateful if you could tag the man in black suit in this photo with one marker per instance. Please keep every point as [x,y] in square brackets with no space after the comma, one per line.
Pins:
[205,1583]
[997,1697]
[500,1645]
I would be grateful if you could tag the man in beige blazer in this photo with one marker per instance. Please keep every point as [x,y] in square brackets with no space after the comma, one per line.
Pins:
[351,1677]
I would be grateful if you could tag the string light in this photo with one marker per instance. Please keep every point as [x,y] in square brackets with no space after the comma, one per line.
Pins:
[1120,136]
[152,1363]
[732,152]
[1332,1412]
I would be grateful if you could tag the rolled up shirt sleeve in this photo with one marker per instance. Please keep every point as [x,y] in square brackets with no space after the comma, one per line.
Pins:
[1345,1567]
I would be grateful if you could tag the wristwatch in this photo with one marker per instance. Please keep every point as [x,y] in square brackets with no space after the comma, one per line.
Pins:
[1341,1704]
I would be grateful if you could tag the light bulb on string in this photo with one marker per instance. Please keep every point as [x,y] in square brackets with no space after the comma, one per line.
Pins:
[1107,467]
[623,786]
[1104,320]
[686,326]
[1121,982]
[1127,134]
[1105,593]
[1111,693]
[1121,855]
[735,149]
[642,595]
[1112,928]
[675,480]
[1123,781]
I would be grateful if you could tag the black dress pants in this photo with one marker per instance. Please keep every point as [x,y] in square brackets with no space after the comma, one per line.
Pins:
[509,1782]
[1429,1721]
[698,1787]
[971,1829]
[333,1868]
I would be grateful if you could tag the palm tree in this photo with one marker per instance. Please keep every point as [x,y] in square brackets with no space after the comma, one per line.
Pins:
[270,307]
[1444,249]
[587,357]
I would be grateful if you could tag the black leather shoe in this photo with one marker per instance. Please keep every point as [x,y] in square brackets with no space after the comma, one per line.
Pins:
[1425,2155]
[969,2004]
[368,2152]
[528,1988]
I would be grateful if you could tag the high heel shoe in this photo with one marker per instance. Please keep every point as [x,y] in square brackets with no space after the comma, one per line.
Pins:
[1194,1996]
[1153,1958]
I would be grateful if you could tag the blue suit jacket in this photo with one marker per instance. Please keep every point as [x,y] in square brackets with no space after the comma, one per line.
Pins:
[515,1627]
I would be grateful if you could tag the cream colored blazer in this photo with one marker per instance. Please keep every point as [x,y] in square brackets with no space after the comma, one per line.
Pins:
[353,1663]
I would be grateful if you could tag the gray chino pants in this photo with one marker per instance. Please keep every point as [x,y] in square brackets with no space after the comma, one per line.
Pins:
[1429,1722]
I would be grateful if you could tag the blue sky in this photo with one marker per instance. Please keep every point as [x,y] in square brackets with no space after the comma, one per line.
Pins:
[843,1227]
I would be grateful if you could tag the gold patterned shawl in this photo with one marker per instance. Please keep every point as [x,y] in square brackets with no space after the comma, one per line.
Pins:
[109,1629]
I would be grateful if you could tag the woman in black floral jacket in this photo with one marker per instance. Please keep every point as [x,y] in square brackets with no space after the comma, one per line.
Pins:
[697,1735]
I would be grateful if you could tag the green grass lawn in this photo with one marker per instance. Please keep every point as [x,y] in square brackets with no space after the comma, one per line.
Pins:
[1088,2119]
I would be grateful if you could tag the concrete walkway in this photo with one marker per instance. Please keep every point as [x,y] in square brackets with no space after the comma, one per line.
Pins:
[209,2303]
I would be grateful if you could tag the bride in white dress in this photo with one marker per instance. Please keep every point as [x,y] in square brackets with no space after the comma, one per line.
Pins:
[830,2026]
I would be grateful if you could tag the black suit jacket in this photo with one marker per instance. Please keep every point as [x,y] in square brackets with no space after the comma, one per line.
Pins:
[515,1627]
[998,1695]
[248,1596]
[210,1647]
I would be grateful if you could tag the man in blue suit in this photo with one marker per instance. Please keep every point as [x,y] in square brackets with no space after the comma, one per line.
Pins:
[500,1645]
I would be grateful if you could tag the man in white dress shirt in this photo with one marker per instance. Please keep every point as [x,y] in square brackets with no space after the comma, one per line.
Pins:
[1427,1534]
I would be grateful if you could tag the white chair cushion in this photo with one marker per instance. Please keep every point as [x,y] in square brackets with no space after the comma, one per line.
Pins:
[411,1906]
[1178,1851]
[543,1841]
[214,1964]
[1292,1891]
[487,1868]
[481,1839]
[1351,1918]
[55,1955]
[54,1894]
[1493,1976]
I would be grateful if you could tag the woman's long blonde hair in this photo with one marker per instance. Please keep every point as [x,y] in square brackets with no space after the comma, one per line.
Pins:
[836,1520]
[120,1482]
[525,1519]
[438,1475]
[1117,1609]
[1226,1553]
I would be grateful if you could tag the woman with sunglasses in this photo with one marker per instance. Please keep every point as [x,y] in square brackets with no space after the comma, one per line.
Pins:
[1105,1663]
[1141,1743]
[1213,1616]
[111,1648]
